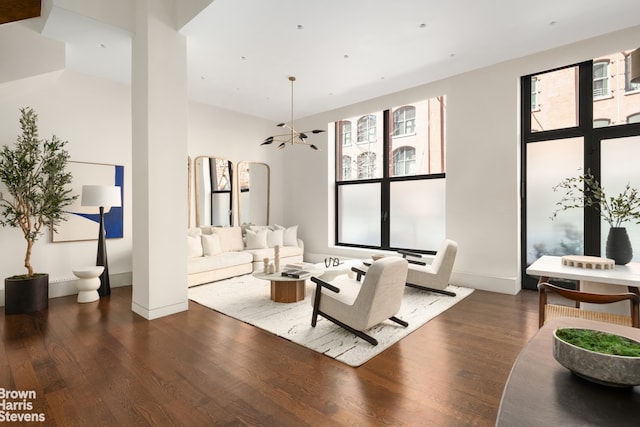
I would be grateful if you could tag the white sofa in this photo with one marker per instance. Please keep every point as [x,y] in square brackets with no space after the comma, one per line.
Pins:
[217,253]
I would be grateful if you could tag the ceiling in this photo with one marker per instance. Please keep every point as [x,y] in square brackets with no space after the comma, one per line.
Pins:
[241,52]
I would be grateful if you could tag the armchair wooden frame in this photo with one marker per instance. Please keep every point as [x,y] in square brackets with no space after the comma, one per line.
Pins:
[634,301]
[317,312]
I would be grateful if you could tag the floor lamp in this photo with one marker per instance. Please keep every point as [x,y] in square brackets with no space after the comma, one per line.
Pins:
[105,197]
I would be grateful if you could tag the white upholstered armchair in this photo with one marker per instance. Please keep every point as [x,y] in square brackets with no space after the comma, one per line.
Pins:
[435,276]
[357,306]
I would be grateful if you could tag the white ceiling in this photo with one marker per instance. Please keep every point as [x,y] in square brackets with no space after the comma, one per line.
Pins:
[241,52]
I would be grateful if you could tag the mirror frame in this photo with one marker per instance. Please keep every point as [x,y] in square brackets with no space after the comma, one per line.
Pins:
[198,190]
[239,189]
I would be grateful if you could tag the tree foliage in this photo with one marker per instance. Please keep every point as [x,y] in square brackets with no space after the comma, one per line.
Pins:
[34,174]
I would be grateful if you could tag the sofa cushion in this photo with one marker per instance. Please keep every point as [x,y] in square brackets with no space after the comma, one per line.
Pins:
[222,260]
[194,248]
[211,244]
[230,238]
[275,238]
[290,235]
[256,239]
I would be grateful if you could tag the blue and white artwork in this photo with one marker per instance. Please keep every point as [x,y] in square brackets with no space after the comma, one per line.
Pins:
[83,221]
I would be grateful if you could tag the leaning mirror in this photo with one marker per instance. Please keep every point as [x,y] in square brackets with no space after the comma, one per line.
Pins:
[253,193]
[214,190]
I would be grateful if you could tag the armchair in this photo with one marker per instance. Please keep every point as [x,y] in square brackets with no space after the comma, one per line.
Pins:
[435,276]
[357,306]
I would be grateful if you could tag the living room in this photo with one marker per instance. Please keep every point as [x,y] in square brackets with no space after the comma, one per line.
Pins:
[95,116]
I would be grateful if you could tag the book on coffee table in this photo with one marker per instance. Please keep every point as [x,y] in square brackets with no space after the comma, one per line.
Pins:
[299,266]
[296,274]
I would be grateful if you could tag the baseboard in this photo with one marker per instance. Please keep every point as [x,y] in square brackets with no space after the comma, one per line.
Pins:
[161,311]
[62,287]
[503,285]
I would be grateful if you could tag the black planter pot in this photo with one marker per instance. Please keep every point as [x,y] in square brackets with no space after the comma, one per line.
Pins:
[26,295]
[619,246]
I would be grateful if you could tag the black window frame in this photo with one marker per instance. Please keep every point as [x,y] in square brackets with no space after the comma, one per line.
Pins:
[385,191]
[592,137]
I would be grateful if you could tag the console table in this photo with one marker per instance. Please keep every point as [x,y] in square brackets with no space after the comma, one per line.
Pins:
[551,267]
[541,392]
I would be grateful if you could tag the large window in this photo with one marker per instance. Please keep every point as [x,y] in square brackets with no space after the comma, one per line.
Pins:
[396,201]
[581,125]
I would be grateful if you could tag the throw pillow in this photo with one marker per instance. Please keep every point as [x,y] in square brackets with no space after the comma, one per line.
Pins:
[230,238]
[194,246]
[275,238]
[290,237]
[257,239]
[211,244]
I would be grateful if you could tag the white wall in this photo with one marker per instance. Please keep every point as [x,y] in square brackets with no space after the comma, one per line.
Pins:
[483,174]
[220,133]
[94,116]
[483,164]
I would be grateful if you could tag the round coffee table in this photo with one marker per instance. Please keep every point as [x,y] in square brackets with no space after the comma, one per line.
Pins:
[286,289]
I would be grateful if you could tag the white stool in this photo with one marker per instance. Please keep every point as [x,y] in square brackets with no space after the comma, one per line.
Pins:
[88,283]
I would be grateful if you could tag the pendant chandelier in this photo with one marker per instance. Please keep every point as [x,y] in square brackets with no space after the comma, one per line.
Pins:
[292,137]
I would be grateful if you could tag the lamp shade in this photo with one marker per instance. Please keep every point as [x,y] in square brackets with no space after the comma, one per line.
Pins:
[101,195]
[635,66]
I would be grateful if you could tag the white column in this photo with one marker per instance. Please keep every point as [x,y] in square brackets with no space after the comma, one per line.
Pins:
[159,158]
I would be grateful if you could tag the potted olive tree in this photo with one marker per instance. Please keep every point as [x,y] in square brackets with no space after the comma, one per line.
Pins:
[585,191]
[36,190]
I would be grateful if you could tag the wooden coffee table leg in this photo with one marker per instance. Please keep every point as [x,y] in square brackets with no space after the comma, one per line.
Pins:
[287,291]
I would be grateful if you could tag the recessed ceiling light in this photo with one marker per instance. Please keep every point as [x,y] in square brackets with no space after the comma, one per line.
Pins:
[552,23]
[299,27]
[451,55]
[244,58]
[423,25]
[102,45]
[345,56]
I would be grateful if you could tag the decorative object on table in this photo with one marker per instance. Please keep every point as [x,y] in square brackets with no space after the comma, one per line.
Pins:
[331,261]
[82,220]
[272,268]
[589,262]
[104,197]
[35,175]
[265,267]
[292,137]
[88,283]
[618,246]
[597,356]
[585,191]
[276,258]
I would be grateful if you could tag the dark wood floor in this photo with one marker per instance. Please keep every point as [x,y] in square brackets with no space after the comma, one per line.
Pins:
[101,364]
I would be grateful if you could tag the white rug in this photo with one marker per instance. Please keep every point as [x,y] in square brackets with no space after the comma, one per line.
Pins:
[247,299]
